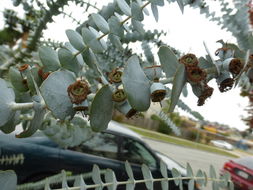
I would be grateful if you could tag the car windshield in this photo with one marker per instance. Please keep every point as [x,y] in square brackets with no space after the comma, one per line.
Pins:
[101,144]
[245,161]
[136,153]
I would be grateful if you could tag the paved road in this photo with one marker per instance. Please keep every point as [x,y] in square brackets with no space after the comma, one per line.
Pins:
[197,159]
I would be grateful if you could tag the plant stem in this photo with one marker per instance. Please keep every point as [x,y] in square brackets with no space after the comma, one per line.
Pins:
[143,181]
[167,80]
[21,106]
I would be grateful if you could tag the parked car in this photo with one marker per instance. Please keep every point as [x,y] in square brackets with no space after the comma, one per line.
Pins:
[38,157]
[222,144]
[241,171]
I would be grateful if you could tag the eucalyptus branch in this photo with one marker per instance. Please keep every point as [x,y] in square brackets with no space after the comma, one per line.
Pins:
[144,181]
[54,179]
[22,106]
[26,117]
[79,52]
[122,22]
[86,3]
[42,25]
[71,17]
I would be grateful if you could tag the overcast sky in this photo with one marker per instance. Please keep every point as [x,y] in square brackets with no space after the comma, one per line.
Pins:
[184,32]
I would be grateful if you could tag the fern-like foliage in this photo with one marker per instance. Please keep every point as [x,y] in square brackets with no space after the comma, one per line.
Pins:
[111,182]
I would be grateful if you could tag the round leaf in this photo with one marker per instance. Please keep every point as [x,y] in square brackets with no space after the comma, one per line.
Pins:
[136,85]
[49,59]
[17,80]
[168,61]
[54,92]
[90,38]
[10,126]
[100,22]
[68,61]
[115,26]
[75,39]
[7,97]
[136,11]
[138,26]
[115,40]
[178,85]
[101,109]
[124,7]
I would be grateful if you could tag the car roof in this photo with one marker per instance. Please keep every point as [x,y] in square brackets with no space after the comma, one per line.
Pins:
[120,129]
[245,161]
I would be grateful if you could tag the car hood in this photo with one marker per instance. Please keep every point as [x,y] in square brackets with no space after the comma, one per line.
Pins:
[171,163]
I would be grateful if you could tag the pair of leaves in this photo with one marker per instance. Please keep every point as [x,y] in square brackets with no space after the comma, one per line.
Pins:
[109,178]
[52,61]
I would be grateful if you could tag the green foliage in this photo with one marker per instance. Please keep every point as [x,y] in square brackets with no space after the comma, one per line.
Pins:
[111,181]
[84,73]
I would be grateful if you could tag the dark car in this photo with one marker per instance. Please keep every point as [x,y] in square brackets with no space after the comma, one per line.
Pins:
[38,157]
[241,171]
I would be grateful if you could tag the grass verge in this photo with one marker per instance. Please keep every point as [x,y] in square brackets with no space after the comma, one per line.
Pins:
[181,142]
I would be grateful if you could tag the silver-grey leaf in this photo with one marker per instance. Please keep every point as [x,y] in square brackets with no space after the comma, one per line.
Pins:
[124,7]
[155,11]
[101,23]
[54,92]
[136,11]
[101,109]
[7,97]
[75,39]
[168,60]
[178,85]
[136,85]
